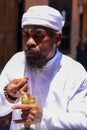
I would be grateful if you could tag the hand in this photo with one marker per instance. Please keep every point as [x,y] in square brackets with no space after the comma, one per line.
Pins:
[17,86]
[30,113]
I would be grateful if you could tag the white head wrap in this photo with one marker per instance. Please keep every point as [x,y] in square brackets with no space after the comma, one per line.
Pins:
[43,16]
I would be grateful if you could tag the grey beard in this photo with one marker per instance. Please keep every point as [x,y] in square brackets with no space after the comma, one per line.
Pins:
[36,63]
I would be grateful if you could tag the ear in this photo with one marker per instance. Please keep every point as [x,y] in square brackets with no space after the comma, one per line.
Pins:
[58,38]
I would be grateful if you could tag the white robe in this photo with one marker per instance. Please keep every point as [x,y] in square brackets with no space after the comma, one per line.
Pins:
[60,87]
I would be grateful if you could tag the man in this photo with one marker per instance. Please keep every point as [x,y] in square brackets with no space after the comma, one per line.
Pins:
[57,84]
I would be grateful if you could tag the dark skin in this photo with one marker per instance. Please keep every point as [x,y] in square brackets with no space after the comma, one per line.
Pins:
[43,41]
[47,44]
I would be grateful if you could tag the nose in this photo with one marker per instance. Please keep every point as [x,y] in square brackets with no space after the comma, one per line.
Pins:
[31,42]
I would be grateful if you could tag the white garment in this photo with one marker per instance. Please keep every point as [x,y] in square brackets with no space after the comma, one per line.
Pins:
[60,87]
[43,15]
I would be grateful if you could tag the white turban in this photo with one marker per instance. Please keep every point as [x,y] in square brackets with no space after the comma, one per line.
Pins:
[43,16]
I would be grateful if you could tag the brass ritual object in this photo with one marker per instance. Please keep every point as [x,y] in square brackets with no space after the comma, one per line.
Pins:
[27,99]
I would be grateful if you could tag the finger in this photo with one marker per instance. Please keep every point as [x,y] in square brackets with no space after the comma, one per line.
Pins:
[15,81]
[17,121]
[24,116]
[29,121]
[33,111]
[22,106]
[21,84]
[15,90]
[16,84]
[25,107]
[25,111]
[27,115]
[31,117]
[16,94]
[24,89]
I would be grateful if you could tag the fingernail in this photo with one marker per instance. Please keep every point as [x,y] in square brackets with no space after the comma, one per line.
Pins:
[26,78]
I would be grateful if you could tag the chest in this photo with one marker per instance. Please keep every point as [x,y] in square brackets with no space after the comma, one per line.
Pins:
[51,91]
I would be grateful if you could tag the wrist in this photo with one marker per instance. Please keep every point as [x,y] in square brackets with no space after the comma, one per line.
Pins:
[8,96]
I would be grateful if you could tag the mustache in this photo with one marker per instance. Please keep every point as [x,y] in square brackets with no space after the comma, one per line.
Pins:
[31,48]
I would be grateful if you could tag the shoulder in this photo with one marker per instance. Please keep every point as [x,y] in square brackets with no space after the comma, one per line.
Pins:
[74,69]
[14,67]
[16,62]
[17,58]
[71,75]
[71,64]
[18,55]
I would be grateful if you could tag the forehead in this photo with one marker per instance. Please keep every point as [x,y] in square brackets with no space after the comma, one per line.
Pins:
[36,27]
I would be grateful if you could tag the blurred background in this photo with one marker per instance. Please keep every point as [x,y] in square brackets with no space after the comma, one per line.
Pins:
[74,39]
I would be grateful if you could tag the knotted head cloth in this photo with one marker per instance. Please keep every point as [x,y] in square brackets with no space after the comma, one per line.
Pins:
[44,16]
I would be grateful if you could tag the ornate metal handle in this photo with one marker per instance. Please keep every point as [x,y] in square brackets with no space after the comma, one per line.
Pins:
[27,99]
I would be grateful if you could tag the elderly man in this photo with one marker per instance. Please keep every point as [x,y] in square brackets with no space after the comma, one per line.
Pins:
[55,95]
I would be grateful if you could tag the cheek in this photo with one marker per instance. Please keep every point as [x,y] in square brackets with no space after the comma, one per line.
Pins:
[46,48]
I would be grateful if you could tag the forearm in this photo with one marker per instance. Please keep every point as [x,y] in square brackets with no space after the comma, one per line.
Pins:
[6,103]
[10,98]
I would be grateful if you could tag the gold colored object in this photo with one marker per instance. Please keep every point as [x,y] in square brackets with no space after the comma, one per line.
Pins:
[27,99]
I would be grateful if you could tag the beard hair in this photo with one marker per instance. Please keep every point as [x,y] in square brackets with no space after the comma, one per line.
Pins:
[36,63]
